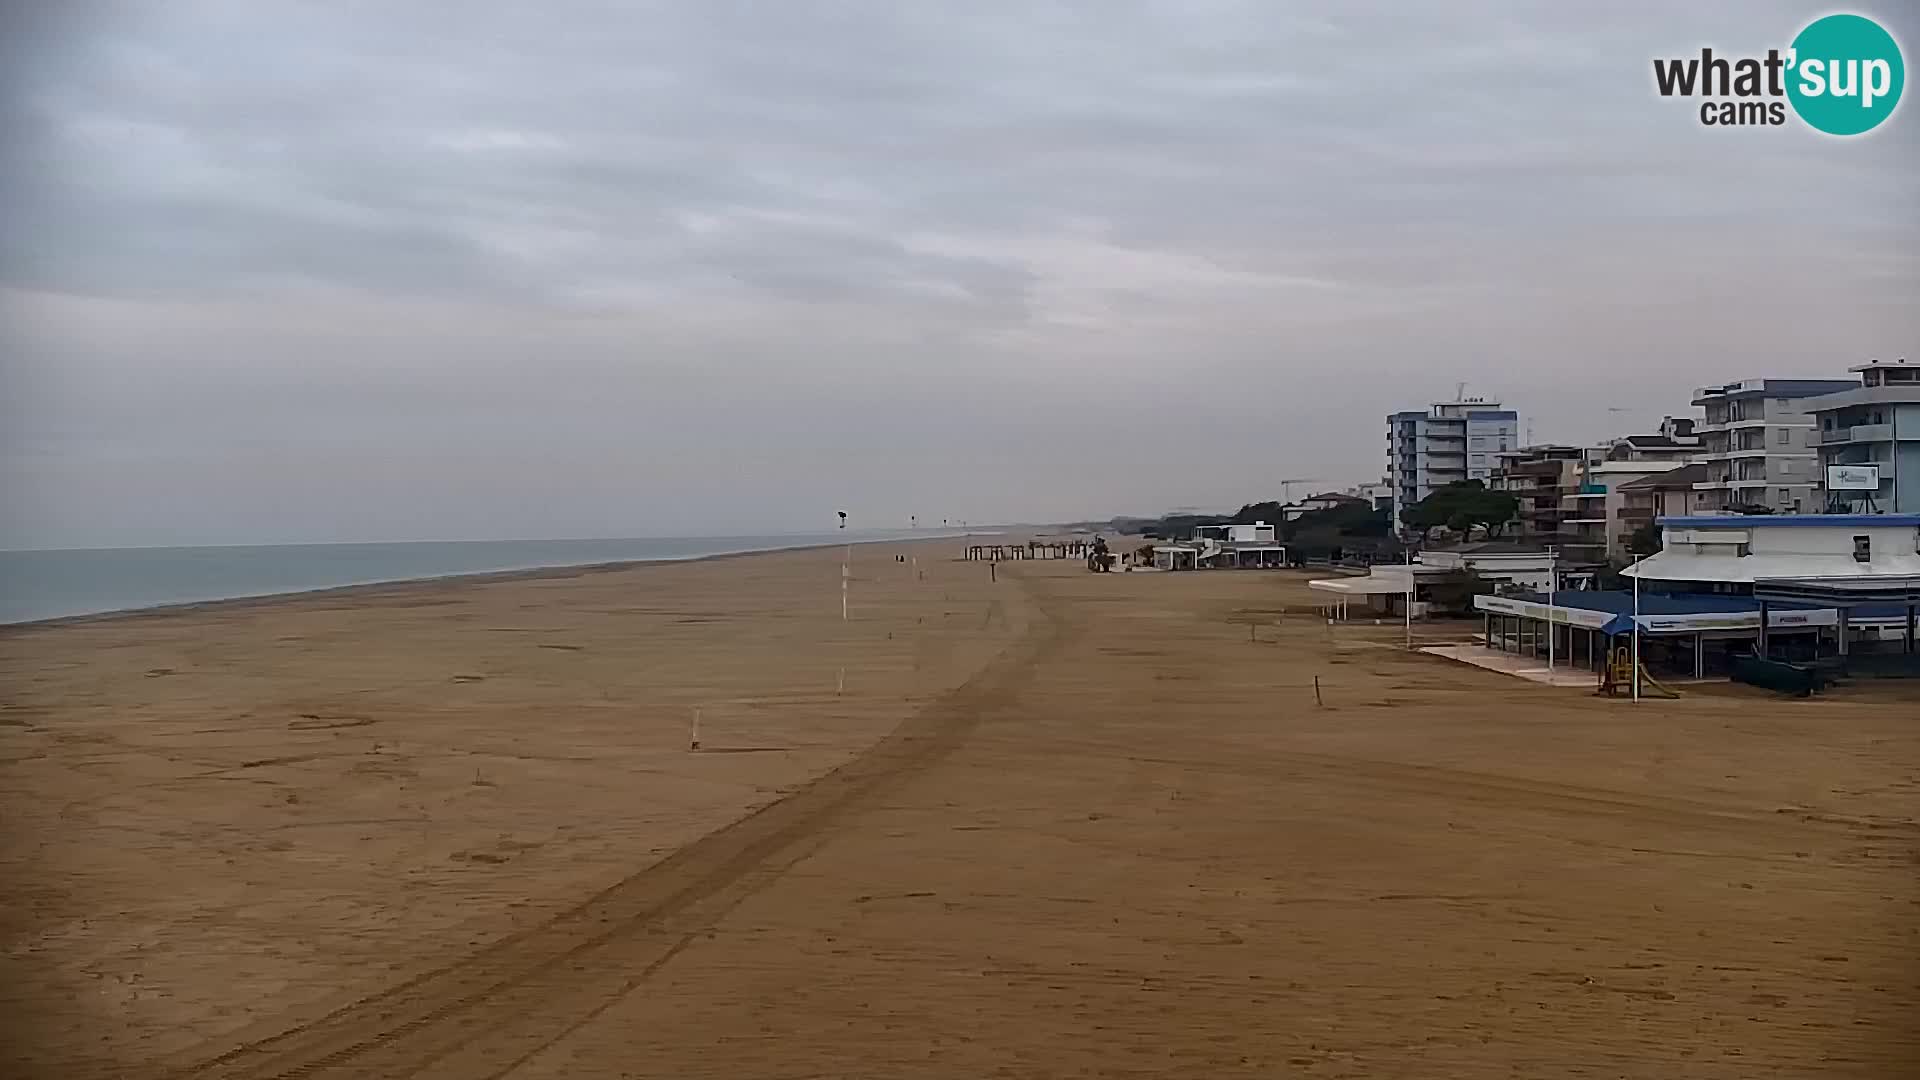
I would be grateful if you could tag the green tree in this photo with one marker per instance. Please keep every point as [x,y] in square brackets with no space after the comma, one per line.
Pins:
[1268,511]
[1347,519]
[1645,540]
[1461,505]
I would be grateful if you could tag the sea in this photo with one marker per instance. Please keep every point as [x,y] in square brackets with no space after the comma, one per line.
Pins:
[53,584]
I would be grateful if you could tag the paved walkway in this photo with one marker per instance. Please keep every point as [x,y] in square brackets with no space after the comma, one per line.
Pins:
[1526,667]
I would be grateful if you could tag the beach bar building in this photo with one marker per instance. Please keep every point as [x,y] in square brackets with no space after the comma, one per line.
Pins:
[1689,634]
[1224,547]
[1382,591]
[1788,586]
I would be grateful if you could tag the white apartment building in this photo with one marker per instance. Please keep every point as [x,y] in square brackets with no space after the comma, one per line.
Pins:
[1875,423]
[1448,442]
[1760,445]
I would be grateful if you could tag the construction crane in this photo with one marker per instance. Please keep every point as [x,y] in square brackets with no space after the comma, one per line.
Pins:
[1286,487]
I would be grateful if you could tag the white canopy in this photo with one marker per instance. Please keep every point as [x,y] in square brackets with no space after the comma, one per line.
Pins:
[1686,566]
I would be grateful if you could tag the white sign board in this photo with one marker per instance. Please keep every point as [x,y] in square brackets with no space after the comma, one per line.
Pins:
[1853,478]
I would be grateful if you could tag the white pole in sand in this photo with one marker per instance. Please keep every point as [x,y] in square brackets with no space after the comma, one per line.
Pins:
[693,741]
[1636,629]
[846,569]
[1409,603]
[1553,583]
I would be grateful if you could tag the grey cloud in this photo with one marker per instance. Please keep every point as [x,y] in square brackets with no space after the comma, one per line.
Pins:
[1024,248]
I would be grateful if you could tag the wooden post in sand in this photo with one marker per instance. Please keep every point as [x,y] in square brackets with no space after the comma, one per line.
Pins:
[1316,691]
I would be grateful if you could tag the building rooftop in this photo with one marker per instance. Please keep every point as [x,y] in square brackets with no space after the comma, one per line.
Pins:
[1657,604]
[1905,393]
[1682,478]
[1856,521]
[1880,365]
[1783,388]
[1657,442]
[1620,601]
[1493,547]
[1605,467]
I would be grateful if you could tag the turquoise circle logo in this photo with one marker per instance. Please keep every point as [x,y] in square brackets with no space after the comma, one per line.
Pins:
[1847,74]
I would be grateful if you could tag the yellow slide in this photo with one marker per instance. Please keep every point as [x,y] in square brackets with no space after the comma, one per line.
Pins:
[1616,679]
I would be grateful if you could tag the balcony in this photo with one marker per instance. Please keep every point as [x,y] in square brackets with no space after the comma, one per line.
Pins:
[1859,433]
[1535,468]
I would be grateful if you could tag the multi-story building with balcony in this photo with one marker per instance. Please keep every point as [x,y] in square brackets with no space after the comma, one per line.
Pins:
[1875,422]
[1449,442]
[1760,445]
[1539,478]
[1650,498]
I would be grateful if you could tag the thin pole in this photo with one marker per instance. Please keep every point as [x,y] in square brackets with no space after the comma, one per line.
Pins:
[1409,607]
[1553,583]
[1636,628]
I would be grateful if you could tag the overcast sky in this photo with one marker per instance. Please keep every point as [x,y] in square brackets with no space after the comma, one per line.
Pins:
[279,271]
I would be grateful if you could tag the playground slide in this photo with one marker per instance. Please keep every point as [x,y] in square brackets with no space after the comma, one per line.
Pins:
[1617,679]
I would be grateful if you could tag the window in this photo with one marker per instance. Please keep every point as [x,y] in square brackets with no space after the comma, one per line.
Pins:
[1862,549]
[1826,423]
[1879,417]
[1785,495]
[1786,437]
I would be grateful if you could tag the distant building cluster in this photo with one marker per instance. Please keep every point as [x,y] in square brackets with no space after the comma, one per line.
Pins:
[1758,446]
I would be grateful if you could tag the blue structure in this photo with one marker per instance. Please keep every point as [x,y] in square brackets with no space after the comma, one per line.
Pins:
[1809,521]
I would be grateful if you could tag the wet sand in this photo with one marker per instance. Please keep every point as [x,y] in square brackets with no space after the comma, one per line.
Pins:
[1079,825]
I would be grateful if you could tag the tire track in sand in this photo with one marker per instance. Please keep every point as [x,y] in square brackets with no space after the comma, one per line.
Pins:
[482,1016]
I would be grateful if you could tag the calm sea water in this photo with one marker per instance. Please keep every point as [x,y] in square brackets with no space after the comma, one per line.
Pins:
[51,584]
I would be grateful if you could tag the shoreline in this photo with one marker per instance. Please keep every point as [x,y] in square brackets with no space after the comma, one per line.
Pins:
[281,805]
[528,573]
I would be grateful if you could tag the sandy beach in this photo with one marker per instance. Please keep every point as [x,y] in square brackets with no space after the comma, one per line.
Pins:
[1048,824]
